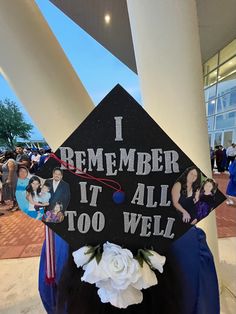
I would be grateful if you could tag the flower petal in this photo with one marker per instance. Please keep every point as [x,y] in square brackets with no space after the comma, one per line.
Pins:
[121,298]
[157,260]
[93,272]
[81,257]
[147,279]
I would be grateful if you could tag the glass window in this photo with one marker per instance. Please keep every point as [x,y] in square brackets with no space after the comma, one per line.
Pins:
[227,102]
[228,51]
[210,93]
[227,68]
[210,79]
[210,123]
[210,65]
[226,120]
[226,85]
[218,138]
[210,107]
[228,137]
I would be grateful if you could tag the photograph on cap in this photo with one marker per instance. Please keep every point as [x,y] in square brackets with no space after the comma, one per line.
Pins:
[42,199]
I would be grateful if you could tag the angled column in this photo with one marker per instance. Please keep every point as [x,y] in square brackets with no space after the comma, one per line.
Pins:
[167,51]
[34,64]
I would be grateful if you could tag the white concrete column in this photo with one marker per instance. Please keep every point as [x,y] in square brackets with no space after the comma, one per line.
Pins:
[167,51]
[34,64]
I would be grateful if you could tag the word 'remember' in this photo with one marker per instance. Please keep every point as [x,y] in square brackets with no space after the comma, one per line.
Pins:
[142,163]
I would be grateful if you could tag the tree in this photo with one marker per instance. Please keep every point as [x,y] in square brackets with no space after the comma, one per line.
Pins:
[12,124]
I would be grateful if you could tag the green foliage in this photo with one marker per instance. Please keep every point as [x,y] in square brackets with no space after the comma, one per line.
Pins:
[12,124]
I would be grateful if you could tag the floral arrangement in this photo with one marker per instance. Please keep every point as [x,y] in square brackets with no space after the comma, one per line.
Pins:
[118,275]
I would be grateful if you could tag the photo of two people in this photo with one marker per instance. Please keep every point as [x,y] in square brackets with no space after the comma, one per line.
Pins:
[193,195]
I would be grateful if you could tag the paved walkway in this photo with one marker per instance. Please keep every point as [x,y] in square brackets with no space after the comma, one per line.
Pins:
[21,236]
[225,214]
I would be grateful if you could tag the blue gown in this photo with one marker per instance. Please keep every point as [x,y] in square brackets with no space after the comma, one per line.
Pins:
[231,187]
[190,278]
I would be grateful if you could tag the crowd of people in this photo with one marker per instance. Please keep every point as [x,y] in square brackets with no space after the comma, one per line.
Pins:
[224,159]
[14,165]
[221,157]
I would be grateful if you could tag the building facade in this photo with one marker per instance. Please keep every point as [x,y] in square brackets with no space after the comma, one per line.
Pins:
[220,96]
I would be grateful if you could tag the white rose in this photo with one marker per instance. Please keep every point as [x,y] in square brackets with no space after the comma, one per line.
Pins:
[94,272]
[157,260]
[120,298]
[148,278]
[121,268]
[82,256]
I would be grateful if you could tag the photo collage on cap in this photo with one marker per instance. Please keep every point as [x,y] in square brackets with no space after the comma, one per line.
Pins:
[120,178]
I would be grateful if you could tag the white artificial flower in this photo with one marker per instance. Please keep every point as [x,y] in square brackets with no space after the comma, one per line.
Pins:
[82,256]
[121,298]
[121,268]
[94,272]
[157,260]
[117,274]
[147,279]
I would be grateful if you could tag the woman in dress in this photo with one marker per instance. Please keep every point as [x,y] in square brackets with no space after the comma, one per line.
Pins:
[21,185]
[32,195]
[9,178]
[185,193]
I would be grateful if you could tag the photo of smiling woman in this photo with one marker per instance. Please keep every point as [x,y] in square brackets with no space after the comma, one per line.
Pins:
[185,193]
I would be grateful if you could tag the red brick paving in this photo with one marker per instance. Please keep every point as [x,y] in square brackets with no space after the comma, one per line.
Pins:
[21,236]
[225,214]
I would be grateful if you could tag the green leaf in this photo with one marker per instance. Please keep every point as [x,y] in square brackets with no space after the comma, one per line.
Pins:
[140,260]
[91,250]
[98,257]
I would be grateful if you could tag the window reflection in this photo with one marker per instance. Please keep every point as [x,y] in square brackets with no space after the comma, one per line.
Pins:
[227,68]
[210,79]
[218,138]
[211,107]
[211,64]
[227,85]
[220,94]
[227,102]
[228,51]
[226,120]
[228,138]
[210,123]
[210,93]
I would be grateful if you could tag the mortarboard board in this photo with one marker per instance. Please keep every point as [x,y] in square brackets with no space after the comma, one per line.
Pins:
[119,168]
[119,179]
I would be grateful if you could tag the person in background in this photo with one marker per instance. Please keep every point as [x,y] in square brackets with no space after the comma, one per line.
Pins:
[230,153]
[219,158]
[21,158]
[231,187]
[45,153]
[9,178]
[34,161]
[212,156]
[224,160]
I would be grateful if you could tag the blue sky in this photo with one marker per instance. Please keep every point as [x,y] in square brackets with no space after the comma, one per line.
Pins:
[98,70]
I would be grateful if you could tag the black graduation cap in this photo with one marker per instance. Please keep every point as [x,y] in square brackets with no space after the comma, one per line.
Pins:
[119,168]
